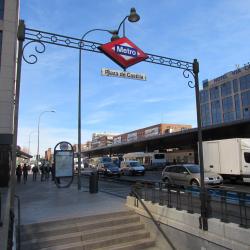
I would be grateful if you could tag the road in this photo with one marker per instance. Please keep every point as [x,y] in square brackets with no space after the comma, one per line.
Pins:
[156,176]
[231,208]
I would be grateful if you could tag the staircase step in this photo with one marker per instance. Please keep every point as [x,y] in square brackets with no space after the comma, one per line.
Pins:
[102,242]
[79,236]
[133,245]
[42,225]
[78,227]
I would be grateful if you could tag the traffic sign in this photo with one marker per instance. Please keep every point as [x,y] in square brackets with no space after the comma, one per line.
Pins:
[123,52]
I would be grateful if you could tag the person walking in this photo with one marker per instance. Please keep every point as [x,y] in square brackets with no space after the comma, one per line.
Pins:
[19,173]
[34,171]
[53,172]
[25,173]
[47,170]
[42,169]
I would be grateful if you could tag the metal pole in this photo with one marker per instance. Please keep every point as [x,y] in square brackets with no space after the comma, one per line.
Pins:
[79,118]
[38,140]
[38,134]
[198,108]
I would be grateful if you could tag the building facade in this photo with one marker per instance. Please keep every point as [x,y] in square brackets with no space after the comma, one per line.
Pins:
[226,98]
[102,139]
[9,16]
[158,129]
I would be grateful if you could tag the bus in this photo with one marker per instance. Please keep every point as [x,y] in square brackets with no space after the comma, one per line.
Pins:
[152,160]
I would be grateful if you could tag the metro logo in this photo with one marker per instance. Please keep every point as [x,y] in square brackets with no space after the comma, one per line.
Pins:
[123,52]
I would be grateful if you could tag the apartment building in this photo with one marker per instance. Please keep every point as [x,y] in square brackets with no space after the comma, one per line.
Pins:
[226,98]
[102,139]
[9,16]
[158,129]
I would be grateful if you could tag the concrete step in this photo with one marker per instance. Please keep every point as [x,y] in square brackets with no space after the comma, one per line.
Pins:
[40,226]
[108,241]
[148,244]
[79,236]
[41,232]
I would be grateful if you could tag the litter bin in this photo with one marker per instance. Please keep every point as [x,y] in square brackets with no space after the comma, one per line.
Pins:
[93,183]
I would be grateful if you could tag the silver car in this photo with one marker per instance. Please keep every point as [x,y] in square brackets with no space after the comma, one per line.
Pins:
[188,174]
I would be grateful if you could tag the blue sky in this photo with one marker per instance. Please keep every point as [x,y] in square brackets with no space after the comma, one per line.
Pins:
[213,31]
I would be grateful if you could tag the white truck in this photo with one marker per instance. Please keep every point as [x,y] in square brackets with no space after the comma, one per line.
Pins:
[229,158]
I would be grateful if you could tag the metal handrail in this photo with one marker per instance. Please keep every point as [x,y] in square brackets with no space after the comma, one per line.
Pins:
[1,223]
[18,222]
[153,219]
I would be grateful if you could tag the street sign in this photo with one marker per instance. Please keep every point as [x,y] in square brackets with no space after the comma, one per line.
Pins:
[123,52]
[123,74]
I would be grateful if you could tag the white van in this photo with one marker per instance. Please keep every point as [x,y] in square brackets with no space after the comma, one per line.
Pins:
[132,168]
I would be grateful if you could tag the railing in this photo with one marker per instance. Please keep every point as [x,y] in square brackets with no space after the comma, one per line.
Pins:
[226,205]
[1,223]
[18,222]
[134,193]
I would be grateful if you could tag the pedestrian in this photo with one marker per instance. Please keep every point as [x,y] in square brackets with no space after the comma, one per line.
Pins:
[34,171]
[25,173]
[42,169]
[19,173]
[53,172]
[47,170]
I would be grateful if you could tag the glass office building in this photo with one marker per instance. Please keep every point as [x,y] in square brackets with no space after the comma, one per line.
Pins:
[226,98]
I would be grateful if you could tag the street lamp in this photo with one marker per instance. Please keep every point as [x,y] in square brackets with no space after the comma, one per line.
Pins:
[133,17]
[38,132]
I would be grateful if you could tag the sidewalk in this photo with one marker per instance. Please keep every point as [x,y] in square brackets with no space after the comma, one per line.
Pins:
[43,201]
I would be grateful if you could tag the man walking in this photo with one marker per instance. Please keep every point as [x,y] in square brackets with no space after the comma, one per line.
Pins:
[19,173]
[25,173]
[34,171]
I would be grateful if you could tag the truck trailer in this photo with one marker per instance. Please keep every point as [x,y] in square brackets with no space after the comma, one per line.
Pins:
[229,157]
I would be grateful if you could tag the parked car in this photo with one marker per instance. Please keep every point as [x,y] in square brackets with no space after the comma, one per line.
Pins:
[108,169]
[188,174]
[132,168]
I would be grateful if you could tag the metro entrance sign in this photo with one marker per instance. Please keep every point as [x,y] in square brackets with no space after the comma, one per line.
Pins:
[123,52]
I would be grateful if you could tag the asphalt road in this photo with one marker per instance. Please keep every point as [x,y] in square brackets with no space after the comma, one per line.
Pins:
[156,176]
[229,209]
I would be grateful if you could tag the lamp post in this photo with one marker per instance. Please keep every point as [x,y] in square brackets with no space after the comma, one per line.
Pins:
[38,132]
[133,17]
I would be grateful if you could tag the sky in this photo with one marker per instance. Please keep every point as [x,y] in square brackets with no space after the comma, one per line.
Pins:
[213,31]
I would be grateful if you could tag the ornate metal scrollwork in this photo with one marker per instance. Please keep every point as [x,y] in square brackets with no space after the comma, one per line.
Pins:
[39,48]
[186,73]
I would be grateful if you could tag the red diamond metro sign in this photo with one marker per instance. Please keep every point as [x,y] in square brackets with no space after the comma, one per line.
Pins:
[123,52]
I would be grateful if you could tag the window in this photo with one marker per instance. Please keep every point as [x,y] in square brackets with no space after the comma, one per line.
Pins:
[181,170]
[1,8]
[237,106]
[245,97]
[194,169]
[246,113]
[204,96]
[247,157]
[227,104]
[159,156]
[205,114]
[216,112]
[214,93]
[245,82]
[235,85]
[226,89]
[229,116]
